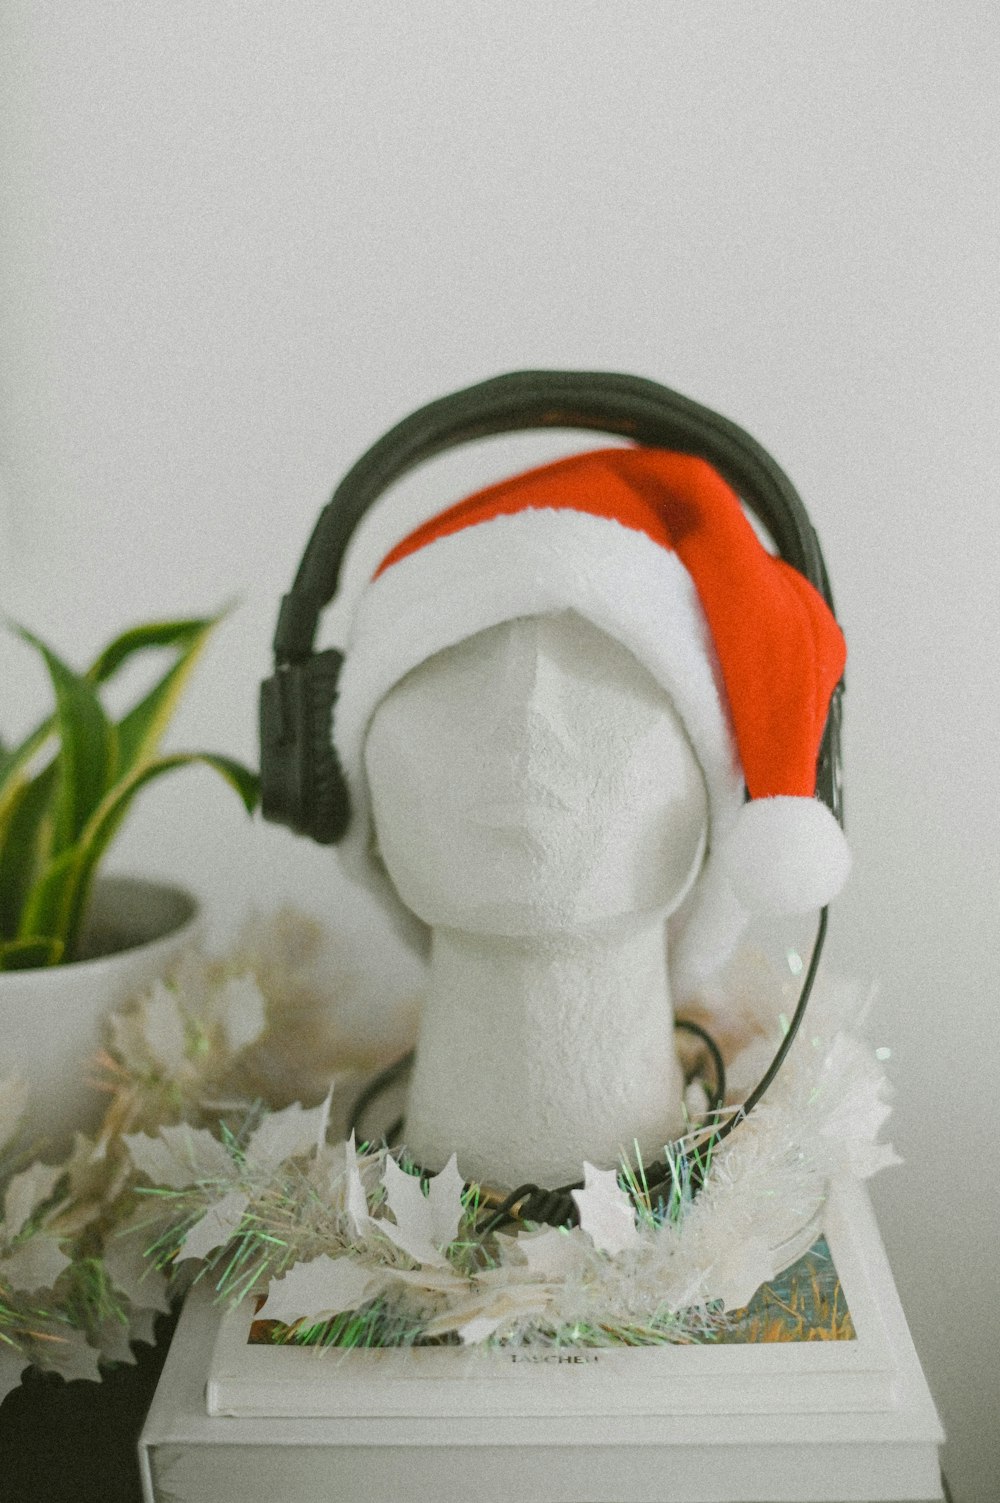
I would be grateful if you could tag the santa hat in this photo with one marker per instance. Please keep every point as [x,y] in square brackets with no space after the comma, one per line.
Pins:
[653,548]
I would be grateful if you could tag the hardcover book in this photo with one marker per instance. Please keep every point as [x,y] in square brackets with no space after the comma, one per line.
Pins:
[813,1394]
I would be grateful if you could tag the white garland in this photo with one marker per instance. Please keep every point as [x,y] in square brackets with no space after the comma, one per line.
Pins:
[190,1170]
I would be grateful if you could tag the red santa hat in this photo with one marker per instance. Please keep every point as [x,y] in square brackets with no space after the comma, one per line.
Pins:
[654,549]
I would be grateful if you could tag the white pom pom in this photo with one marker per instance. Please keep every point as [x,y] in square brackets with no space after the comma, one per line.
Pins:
[786,855]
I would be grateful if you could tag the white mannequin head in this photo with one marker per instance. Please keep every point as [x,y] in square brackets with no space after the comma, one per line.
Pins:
[538,805]
[535,780]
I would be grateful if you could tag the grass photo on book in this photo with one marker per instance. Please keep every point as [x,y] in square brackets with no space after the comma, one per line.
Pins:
[806,1303]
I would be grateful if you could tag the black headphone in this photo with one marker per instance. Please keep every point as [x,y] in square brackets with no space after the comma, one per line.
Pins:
[302,784]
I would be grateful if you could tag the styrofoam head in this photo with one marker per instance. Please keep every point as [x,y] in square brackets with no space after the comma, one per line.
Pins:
[533,779]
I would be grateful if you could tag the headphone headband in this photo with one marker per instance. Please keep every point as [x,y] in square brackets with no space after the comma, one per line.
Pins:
[628,406]
[301,782]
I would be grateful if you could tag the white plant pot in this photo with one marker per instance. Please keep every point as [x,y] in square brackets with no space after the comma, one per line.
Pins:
[51,1018]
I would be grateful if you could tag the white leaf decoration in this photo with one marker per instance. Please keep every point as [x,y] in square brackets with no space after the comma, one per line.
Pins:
[12,1364]
[25,1193]
[856,1087]
[36,1264]
[855,1083]
[870,1158]
[244,1012]
[180,1156]
[436,1280]
[163,1026]
[128,1041]
[142,1326]
[607,1215]
[216,1227]
[134,1275]
[489,1308]
[113,1339]
[324,1286]
[356,1201]
[13,1100]
[86,1164]
[738,1274]
[75,1358]
[323,1123]
[409,1205]
[424,1223]
[198,1148]
[553,1253]
[282,1135]
[444,1196]
[480,1328]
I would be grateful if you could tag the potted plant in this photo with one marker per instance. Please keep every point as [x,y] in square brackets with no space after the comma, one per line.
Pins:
[74,944]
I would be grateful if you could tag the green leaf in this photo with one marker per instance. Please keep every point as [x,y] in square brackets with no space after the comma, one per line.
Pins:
[187,635]
[141,730]
[88,756]
[106,819]
[56,827]
[25,832]
[182,634]
[15,759]
[29,954]
[53,900]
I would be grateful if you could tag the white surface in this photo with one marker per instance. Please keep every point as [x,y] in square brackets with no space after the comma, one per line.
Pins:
[242,239]
[538,805]
[855,1422]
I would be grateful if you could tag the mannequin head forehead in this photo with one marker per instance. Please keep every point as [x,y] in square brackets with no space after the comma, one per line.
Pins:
[535,779]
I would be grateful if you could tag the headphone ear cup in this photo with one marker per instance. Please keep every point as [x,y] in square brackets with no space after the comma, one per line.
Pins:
[326,788]
[302,783]
[829,776]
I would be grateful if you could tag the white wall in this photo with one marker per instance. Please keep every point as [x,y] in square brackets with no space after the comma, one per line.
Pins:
[243,238]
